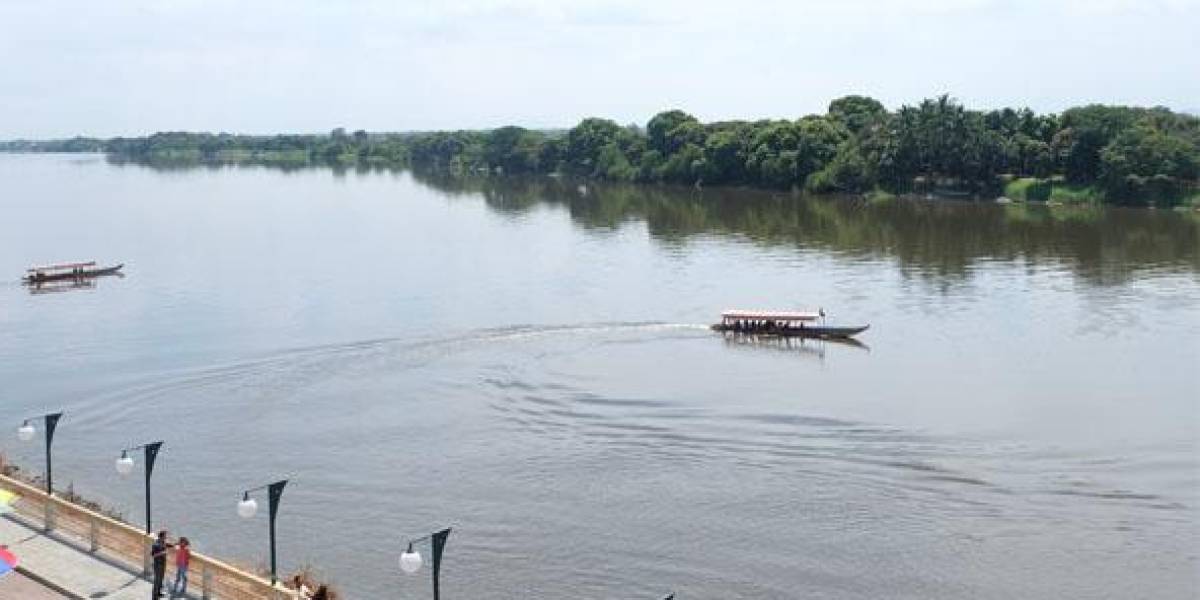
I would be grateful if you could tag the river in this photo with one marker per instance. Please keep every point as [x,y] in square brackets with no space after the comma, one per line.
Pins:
[528,362]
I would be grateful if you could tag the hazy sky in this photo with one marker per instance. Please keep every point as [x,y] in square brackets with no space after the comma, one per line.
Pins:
[132,67]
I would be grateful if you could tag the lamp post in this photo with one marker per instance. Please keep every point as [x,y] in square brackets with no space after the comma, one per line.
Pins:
[26,432]
[125,467]
[410,560]
[248,507]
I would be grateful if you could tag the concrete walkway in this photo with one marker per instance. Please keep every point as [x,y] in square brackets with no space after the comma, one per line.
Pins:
[64,564]
[16,585]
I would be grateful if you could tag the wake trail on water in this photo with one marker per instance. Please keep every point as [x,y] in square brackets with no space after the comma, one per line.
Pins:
[530,398]
[296,366]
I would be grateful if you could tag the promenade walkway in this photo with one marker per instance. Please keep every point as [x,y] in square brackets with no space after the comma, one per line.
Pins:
[89,555]
[16,585]
[65,565]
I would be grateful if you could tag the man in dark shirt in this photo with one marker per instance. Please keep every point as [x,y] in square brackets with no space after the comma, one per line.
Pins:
[158,553]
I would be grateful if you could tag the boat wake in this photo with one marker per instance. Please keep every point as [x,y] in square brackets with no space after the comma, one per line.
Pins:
[546,382]
[294,368]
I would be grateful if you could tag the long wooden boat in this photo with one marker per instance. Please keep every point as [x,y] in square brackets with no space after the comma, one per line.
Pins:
[786,324]
[67,271]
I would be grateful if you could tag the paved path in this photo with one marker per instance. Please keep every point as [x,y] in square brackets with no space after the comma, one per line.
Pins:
[17,586]
[66,563]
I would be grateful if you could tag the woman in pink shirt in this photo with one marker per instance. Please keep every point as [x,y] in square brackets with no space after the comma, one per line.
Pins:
[183,555]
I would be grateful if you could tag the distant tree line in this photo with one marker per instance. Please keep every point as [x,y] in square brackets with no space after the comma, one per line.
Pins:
[1116,154]
[76,144]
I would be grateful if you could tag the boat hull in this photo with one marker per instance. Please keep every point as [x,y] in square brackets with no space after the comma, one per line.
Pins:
[89,273]
[809,331]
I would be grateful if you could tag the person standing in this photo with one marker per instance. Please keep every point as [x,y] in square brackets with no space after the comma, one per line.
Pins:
[158,553]
[183,556]
[302,591]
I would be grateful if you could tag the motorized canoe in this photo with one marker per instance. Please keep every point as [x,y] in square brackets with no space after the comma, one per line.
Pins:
[67,271]
[786,324]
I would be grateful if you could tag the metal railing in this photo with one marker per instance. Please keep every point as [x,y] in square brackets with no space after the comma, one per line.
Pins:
[126,544]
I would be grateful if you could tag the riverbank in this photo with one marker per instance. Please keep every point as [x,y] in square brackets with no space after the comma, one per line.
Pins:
[1103,154]
[1049,192]
[1057,190]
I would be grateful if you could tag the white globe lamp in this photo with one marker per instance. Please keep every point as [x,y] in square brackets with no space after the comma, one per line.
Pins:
[26,431]
[247,507]
[124,464]
[410,560]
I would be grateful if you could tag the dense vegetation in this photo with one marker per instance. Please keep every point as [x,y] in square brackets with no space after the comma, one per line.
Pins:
[1115,154]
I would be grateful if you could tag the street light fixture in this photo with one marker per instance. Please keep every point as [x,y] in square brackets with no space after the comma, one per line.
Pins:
[410,560]
[26,432]
[124,467]
[247,507]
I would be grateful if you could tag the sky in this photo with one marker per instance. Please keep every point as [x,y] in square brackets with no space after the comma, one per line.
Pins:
[269,66]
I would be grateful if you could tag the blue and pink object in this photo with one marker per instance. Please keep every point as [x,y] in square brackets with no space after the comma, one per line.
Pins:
[8,561]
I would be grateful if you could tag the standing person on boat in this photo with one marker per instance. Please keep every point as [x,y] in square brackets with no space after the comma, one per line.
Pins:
[158,552]
[183,556]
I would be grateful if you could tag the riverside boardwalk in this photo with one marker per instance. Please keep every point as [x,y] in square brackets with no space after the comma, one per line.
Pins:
[73,552]
[64,568]
[16,585]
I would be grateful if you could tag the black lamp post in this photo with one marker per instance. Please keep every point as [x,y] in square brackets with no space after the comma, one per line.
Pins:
[125,467]
[410,560]
[26,432]
[247,507]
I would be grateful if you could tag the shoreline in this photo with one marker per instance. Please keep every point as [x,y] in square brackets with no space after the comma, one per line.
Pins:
[1082,197]
[1102,154]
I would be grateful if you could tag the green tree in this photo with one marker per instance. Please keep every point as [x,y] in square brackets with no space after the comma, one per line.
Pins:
[847,172]
[857,113]
[1146,163]
[725,156]
[664,131]
[584,142]
[817,142]
[1085,132]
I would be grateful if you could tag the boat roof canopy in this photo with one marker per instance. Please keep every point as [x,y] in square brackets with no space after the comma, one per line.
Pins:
[63,266]
[770,315]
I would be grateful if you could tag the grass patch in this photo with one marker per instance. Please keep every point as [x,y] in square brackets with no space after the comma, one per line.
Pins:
[1028,189]
[233,155]
[176,154]
[1055,190]
[292,157]
[1064,193]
